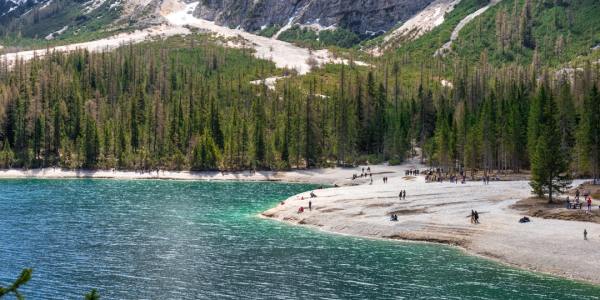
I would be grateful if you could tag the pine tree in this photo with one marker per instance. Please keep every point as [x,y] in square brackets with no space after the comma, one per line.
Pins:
[91,144]
[588,134]
[548,163]
[536,119]
[206,155]
[14,287]
[566,118]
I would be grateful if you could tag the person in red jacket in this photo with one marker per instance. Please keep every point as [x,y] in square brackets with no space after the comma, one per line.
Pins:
[589,203]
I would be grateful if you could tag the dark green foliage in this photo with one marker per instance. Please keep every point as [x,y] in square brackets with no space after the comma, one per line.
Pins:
[206,154]
[92,295]
[269,31]
[588,135]
[548,160]
[24,278]
[338,37]
[297,33]
[14,287]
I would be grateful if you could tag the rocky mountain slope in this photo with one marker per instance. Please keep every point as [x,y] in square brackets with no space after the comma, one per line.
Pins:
[525,31]
[49,19]
[365,17]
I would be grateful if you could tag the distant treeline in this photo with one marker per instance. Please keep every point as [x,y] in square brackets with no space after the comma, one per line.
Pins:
[189,104]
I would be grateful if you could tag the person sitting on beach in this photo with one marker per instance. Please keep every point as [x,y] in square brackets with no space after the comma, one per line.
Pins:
[301,209]
[524,220]
[313,195]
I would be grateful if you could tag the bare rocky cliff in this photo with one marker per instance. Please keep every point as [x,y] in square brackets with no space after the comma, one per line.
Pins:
[359,16]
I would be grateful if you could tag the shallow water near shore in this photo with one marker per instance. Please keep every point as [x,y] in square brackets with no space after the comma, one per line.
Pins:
[149,239]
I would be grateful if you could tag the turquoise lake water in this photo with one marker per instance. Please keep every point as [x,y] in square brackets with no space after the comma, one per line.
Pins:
[203,240]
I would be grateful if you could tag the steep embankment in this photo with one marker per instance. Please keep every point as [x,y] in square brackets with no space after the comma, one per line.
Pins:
[448,45]
[430,17]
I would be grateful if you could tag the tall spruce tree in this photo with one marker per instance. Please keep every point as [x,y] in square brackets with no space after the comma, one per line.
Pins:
[588,135]
[548,162]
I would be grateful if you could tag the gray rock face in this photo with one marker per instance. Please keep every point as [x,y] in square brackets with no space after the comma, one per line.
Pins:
[360,16]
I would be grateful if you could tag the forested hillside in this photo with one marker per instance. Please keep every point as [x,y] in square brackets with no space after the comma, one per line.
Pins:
[547,32]
[188,102]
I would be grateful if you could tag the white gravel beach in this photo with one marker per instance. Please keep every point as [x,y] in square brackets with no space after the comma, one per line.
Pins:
[439,212]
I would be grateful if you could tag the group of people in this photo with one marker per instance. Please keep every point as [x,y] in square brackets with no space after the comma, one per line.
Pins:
[474,217]
[393,217]
[301,208]
[402,194]
[576,203]
[412,172]
[486,179]
[385,179]
[363,174]
[435,175]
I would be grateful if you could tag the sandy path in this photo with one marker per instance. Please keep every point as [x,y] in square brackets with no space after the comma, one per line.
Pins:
[437,212]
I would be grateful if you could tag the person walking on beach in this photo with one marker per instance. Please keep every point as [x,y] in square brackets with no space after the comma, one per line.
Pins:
[589,204]
[585,234]
[404,194]
[310,205]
